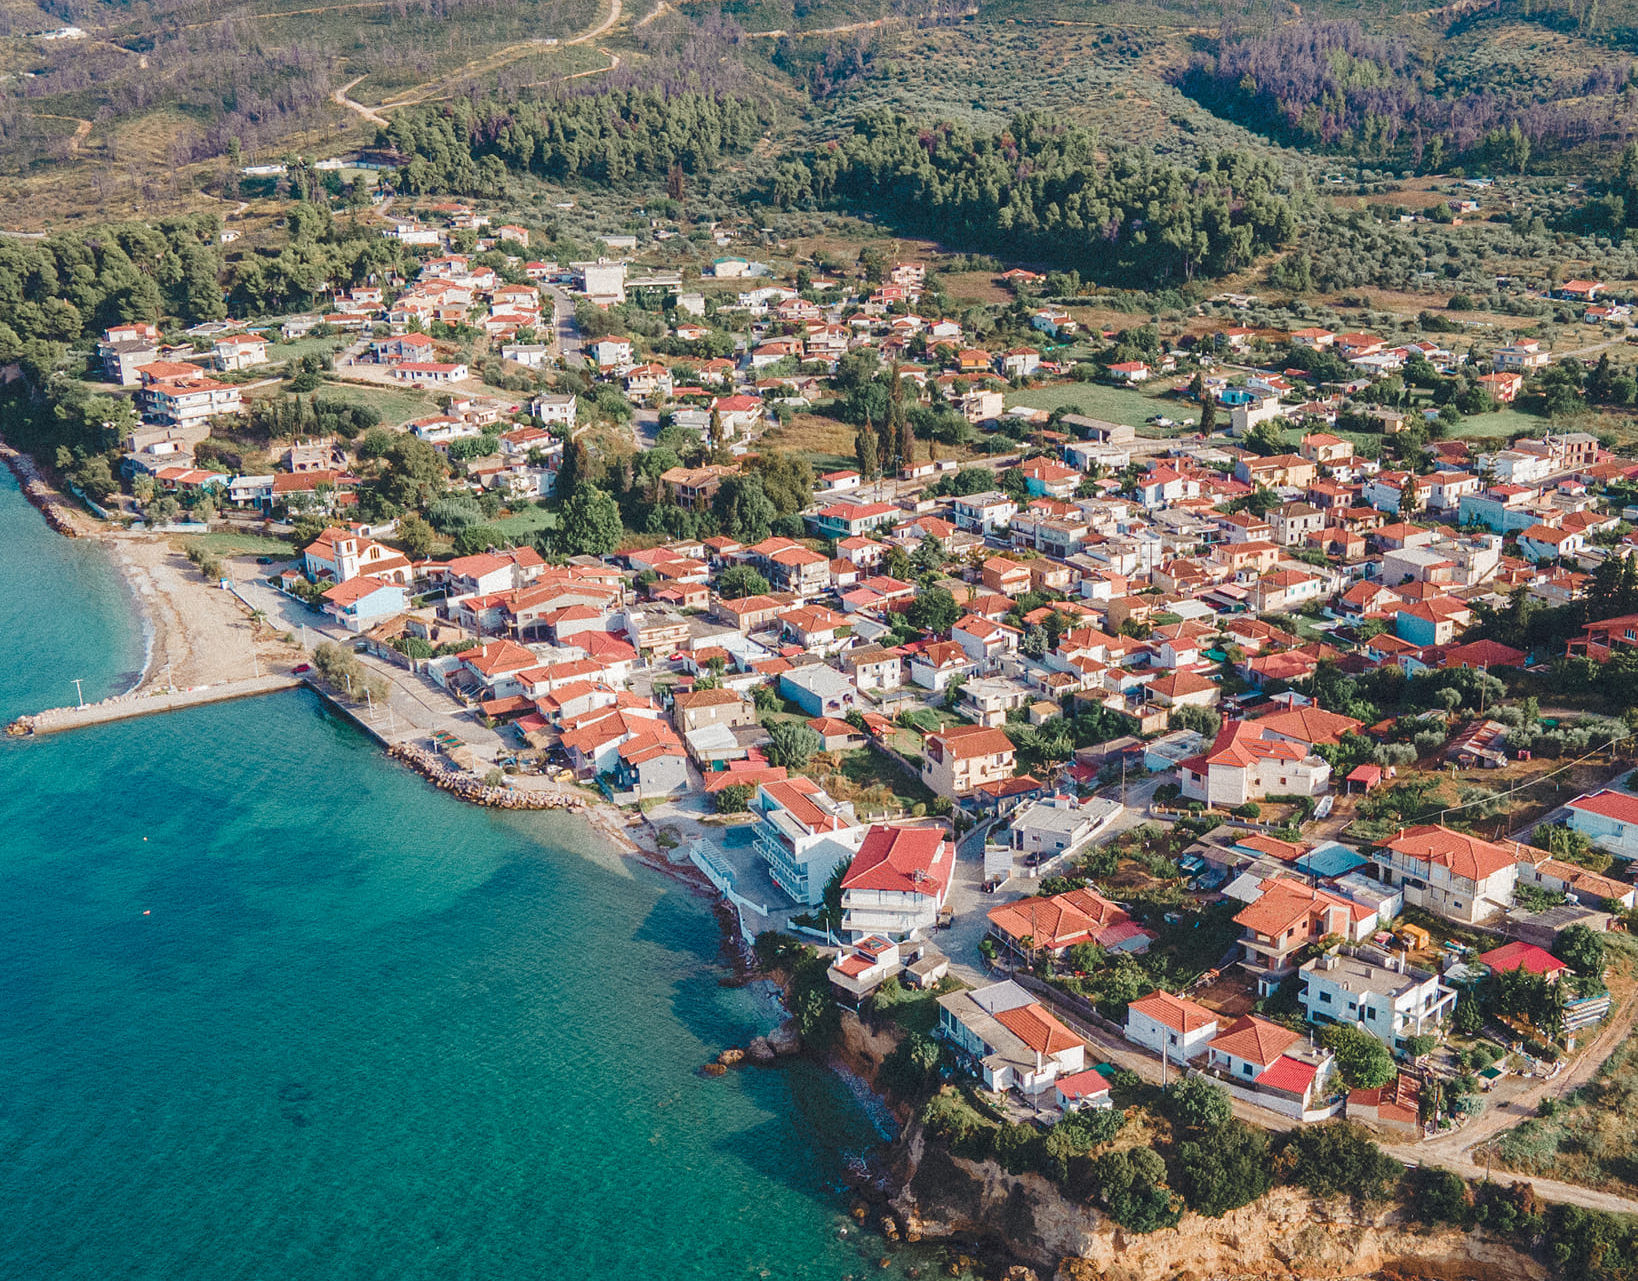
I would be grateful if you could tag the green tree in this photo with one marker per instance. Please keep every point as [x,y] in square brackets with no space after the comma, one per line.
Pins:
[1363,1061]
[865,449]
[927,562]
[791,744]
[1132,1187]
[1338,1158]
[414,474]
[1407,497]
[414,536]
[1439,1196]
[590,524]
[474,539]
[934,610]
[1196,1103]
[1581,949]
[738,581]
[1266,438]
[1468,1016]
[1226,1168]
[743,508]
[733,799]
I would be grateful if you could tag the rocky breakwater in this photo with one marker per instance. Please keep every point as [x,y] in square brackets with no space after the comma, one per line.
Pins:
[469,787]
[1030,1222]
[58,514]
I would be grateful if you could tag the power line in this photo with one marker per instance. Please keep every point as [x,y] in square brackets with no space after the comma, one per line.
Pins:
[1519,787]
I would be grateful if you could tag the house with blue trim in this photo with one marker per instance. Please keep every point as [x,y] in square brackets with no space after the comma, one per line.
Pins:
[360,603]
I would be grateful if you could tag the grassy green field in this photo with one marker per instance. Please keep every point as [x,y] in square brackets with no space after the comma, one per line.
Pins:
[1112,404]
[229,543]
[279,353]
[394,404]
[1501,424]
[524,524]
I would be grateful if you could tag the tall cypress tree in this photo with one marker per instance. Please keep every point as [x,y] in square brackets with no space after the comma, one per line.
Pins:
[864,448]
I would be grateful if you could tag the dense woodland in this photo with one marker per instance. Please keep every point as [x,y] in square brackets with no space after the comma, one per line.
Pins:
[56,291]
[1335,86]
[1039,190]
[603,138]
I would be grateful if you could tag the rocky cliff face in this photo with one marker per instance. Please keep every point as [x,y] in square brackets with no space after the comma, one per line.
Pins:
[1287,1234]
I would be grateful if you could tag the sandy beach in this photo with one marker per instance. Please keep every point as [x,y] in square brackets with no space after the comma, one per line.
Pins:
[196,633]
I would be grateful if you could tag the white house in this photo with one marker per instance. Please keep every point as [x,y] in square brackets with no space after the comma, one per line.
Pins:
[1248,762]
[1010,1040]
[803,835]
[1060,826]
[552,407]
[186,401]
[1392,1002]
[239,351]
[1609,819]
[897,882]
[611,353]
[1451,874]
[1170,1025]
[985,512]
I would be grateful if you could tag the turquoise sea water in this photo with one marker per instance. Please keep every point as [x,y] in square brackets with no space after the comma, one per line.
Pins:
[65,612]
[271,1007]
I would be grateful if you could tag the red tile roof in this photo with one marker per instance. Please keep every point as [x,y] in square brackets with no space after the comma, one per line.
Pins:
[1620,806]
[1254,1040]
[1037,1029]
[1289,1075]
[965,742]
[1082,1085]
[1059,921]
[1522,956]
[1176,1012]
[1464,855]
[904,860]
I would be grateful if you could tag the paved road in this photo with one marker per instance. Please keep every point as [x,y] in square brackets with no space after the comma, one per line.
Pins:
[568,342]
[971,906]
[416,708]
[645,429]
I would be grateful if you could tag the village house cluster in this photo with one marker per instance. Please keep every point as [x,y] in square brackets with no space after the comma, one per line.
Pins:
[1178,593]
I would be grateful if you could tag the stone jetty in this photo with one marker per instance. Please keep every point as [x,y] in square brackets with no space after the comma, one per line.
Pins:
[147,703]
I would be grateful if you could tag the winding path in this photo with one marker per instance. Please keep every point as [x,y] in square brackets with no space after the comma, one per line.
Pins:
[482,66]
[340,98]
[586,37]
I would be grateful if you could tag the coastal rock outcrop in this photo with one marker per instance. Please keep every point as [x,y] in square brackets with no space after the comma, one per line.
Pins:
[785,1039]
[1288,1233]
[58,515]
[760,1051]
